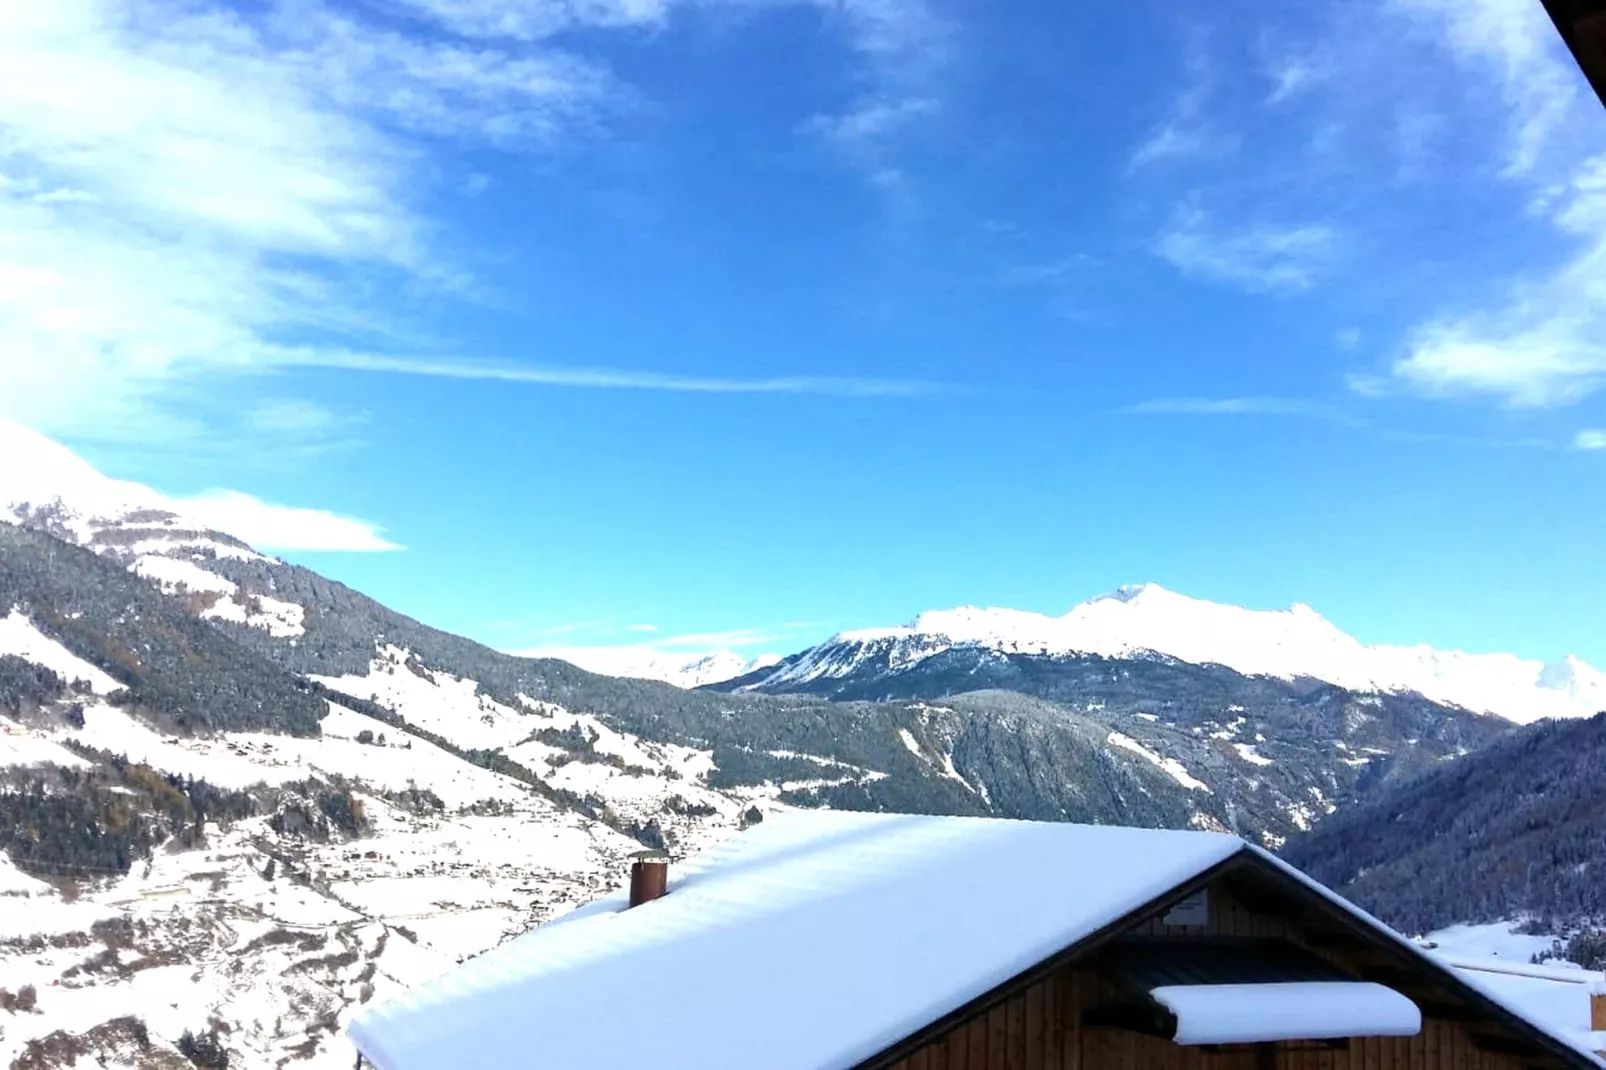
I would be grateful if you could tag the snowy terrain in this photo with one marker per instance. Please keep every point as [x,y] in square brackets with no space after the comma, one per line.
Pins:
[1289,644]
[162,540]
[486,809]
[645,662]
[271,940]
[1496,958]
[151,534]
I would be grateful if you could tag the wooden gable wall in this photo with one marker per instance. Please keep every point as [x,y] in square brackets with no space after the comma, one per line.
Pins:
[1039,1027]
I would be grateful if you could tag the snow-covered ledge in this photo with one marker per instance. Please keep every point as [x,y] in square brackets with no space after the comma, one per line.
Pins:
[1299,1010]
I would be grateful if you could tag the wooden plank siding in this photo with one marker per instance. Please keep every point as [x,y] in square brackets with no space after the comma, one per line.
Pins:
[1040,1027]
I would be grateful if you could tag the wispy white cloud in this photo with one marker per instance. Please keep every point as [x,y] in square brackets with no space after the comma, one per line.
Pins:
[607,378]
[1290,77]
[293,415]
[1260,257]
[283,527]
[1544,346]
[864,135]
[183,187]
[181,184]
[1177,136]
[1517,43]
[1245,406]
[534,20]
[1186,129]
[1293,68]
[1590,440]
[903,47]
[1049,273]
[1545,343]
[664,657]
[869,121]
[730,639]
[1307,408]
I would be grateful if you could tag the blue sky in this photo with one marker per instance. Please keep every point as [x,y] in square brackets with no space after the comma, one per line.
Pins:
[642,319]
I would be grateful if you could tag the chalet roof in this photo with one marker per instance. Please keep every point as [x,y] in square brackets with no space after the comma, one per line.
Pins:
[817,939]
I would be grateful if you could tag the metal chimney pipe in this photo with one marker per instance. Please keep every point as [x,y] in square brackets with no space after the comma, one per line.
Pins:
[649,876]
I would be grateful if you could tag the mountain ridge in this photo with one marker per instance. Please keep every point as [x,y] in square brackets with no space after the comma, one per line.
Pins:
[347,766]
[1147,619]
[55,489]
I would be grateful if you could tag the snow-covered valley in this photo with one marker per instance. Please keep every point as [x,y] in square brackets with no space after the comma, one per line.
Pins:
[264,935]
[240,799]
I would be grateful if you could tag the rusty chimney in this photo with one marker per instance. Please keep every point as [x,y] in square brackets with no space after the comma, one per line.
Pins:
[649,876]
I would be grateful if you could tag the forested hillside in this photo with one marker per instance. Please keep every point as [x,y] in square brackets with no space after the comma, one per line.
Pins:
[1516,828]
[173,667]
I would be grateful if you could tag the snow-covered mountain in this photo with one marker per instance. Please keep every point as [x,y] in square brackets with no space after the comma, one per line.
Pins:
[172,544]
[1290,644]
[354,776]
[256,798]
[645,662]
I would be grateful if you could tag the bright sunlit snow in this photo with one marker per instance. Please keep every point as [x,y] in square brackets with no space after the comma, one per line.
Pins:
[1306,1010]
[1290,643]
[1175,769]
[856,922]
[19,637]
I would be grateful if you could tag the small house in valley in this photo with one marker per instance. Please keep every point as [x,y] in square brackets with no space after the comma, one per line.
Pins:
[842,941]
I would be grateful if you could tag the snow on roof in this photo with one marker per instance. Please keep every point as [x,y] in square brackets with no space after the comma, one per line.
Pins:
[816,939]
[1298,1010]
[1578,1041]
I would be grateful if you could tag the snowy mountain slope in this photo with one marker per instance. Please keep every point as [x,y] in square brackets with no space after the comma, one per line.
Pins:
[1323,747]
[651,663]
[209,846]
[262,934]
[662,763]
[389,774]
[1289,644]
[45,486]
[49,487]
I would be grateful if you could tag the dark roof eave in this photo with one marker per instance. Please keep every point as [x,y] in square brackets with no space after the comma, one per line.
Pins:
[1248,858]
[1582,25]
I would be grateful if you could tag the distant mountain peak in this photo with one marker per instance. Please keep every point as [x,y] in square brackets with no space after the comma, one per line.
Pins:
[1293,643]
[682,668]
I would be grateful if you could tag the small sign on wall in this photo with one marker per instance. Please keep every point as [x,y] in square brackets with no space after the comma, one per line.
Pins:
[1194,910]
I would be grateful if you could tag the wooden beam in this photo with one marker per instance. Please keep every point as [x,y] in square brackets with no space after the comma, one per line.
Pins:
[1326,939]
[1500,1045]
[1447,1011]
[1262,898]
[1150,1019]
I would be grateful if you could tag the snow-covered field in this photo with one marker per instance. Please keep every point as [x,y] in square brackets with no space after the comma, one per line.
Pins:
[272,940]
[1497,959]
